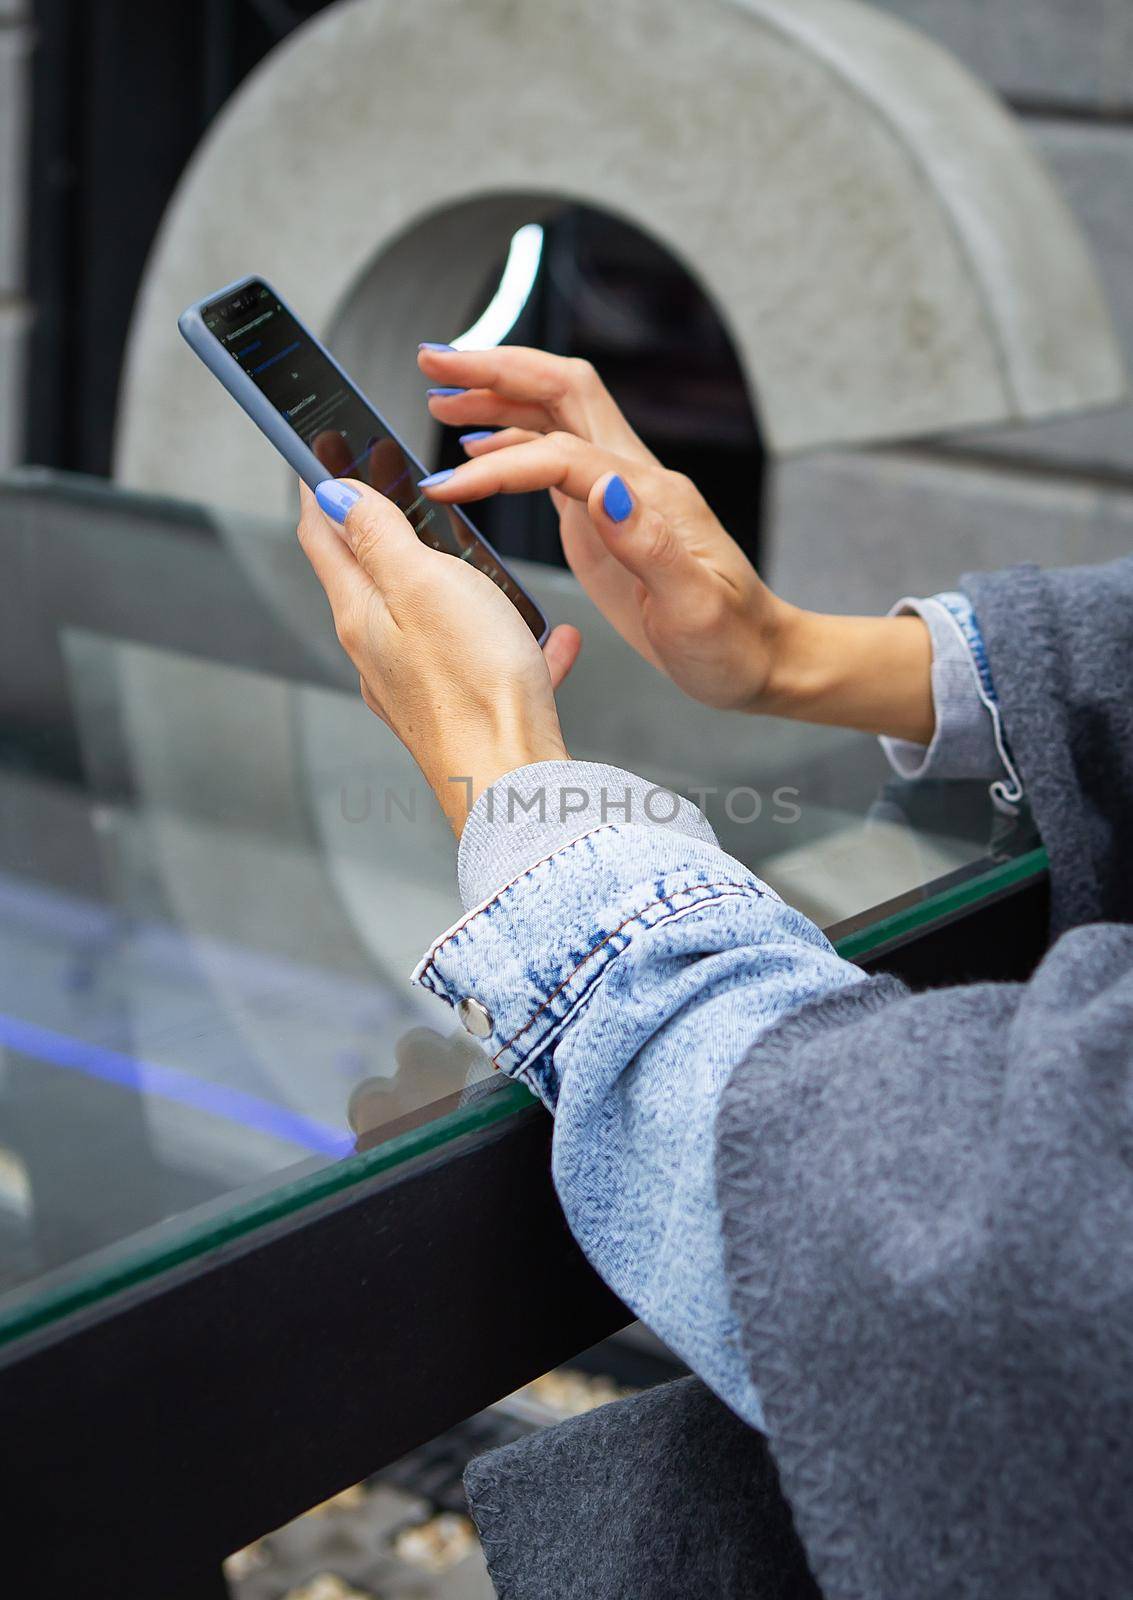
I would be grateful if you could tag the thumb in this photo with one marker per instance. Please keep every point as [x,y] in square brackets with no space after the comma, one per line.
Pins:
[639,537]
[561,651]
[377,532]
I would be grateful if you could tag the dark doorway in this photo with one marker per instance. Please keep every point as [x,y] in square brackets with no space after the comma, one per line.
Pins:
[607,292]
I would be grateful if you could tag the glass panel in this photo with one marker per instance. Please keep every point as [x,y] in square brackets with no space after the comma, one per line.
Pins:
[217,869]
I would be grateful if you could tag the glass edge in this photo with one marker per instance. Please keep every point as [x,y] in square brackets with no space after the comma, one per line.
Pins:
[509,1098]
[1032,864]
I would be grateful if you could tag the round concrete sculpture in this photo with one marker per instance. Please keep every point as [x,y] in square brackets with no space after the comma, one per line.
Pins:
[887,254]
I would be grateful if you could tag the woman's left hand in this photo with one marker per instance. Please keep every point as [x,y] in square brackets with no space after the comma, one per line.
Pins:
[443,657]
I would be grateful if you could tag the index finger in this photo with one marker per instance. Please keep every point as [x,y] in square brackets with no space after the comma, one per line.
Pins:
[514,372]
[554,461]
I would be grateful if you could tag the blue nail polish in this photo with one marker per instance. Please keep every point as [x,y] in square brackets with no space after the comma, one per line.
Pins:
[617,502]
[428,344]
[436,477]
[435,394]
[336,498]
[474,438]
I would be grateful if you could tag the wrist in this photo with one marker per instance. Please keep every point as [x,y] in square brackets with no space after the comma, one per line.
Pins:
[790,647]
[869,673]
[464,768]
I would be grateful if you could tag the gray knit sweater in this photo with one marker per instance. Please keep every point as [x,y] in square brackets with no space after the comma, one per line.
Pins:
[928,1210]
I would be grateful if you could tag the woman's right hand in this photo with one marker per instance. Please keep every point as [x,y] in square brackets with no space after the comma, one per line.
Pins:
[641,540]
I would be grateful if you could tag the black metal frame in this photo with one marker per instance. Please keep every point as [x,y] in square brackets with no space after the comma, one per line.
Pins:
[1000,939]
[148,1437]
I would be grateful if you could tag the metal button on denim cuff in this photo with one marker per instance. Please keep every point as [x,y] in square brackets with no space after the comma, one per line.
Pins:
[476,1017]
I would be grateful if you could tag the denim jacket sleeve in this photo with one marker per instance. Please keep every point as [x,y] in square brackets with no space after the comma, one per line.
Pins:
[628,969]
[625,975]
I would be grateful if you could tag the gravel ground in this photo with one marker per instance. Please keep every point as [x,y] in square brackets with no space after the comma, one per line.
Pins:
[405,1534]
[374,1542]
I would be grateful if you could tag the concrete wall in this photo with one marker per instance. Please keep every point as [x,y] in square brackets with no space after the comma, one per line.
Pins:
[1063,491]
[1092,160]
[1064,53]
[888,254]
[15,44]
[855,531]
[1067,67]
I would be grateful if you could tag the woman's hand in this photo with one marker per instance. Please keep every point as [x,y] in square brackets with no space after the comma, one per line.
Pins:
[654,558]
[443,657]
[641,540]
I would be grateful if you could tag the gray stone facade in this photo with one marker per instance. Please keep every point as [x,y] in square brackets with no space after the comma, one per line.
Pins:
[855,531]
[888,254]
[1052,492]
[1093,164]
[1056,53]
[974,499]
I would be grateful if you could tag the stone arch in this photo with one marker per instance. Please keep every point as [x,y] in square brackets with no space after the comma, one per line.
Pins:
[887,253]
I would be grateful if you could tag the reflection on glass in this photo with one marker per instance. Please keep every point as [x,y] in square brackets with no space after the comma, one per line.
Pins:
[431,1068]
[217,870]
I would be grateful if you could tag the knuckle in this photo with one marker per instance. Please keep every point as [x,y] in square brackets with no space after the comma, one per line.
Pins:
[657,541]
[347,631]
[583,373]
[707,611]
[681,486]
[366,537]
[562,441]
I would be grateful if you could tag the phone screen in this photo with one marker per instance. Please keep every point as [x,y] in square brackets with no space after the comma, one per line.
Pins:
[291,370]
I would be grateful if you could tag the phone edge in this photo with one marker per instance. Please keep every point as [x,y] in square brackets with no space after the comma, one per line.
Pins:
[279,433]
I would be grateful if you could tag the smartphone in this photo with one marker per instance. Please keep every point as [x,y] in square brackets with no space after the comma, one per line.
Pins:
[322,424]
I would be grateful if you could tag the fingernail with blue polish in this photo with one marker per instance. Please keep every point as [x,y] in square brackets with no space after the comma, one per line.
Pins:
[617,502]
[436,477]
[474,438]
[429,344]
[435,394]
[336,498]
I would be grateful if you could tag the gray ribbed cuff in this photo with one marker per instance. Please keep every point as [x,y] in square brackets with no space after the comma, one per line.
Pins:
[963,743]
[535,810]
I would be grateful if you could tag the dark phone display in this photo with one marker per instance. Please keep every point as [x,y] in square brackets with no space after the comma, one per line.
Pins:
[337,425]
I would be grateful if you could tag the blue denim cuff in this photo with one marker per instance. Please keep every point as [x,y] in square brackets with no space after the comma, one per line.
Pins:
[530,957]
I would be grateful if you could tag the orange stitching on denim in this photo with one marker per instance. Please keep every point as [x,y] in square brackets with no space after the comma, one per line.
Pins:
[484,905]
[633,917]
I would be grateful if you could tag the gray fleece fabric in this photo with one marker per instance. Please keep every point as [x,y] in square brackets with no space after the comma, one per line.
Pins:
[928,1215]
[1060,648]
[648,1535]
[930,1246]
